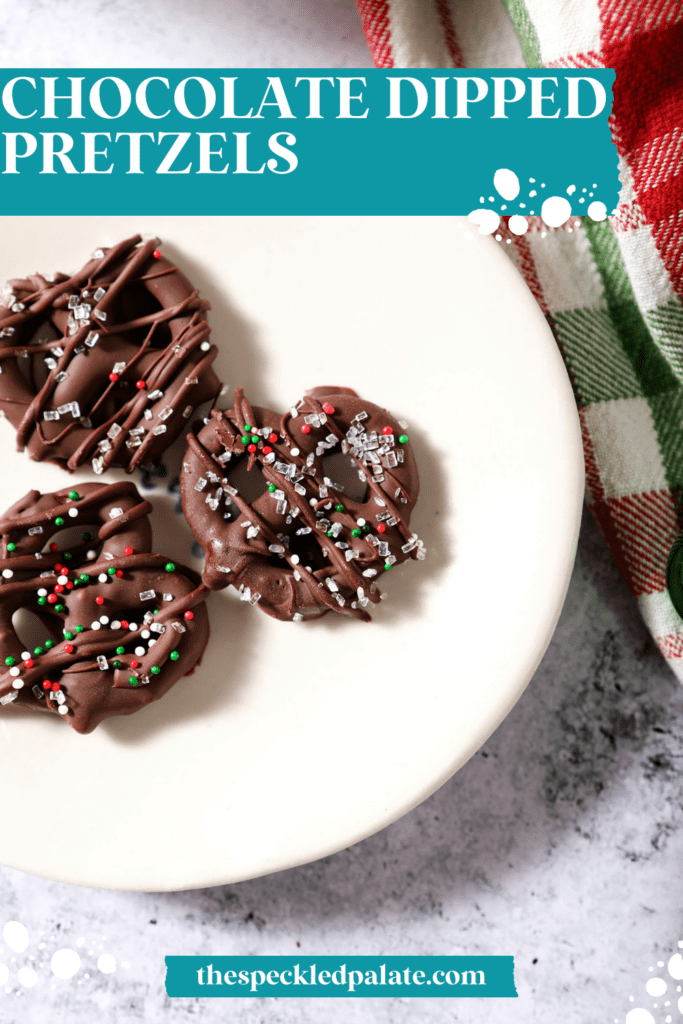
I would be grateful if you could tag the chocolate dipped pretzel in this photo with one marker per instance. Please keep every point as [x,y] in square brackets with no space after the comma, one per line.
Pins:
[122,625]
[302,548]
[107,365]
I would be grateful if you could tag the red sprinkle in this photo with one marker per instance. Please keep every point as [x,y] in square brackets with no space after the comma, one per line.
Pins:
[134,663]
[189,615]
[266,449]
[329,409]
[68,648]
[59,589]
[99,600]
[252,448]
[47,684]
[306,429]
[119,573]
[55,686]
[113,377]
[28,663]
[128,551]
[69,585]
[52,599]
[272,438]
[156,254]
[140,384]
[124,624]
[381,528]
[387,430]
[54,547]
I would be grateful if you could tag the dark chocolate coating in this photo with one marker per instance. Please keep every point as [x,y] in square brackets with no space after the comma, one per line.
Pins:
[291,550]
[61,339]
[92,692]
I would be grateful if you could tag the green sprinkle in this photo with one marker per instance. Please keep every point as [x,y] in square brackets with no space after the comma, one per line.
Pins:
[38,651]
[272,487]
[356,533]
[120,650]
[366,528]
[169,567]
[68,635]
[59,521]
[329,533]
[11,546]
[85,536]
[155,670]
[132,680]
[248,428]
[68,556]
[340,508]
[174,655]
[117,663]
[387,566]
[155,612]
[255,439]
[74,495]
[9,661]
[403,438]
[60,608]
[79,629]
[84,578]
[245,440]
[49,644]
[42,600]
[112,570]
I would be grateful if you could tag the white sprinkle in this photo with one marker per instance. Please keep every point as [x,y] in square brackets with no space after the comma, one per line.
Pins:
[360,522]
[42,592]
[205,346]
[62,579]
[151,642]
[295,451]
[104,619]
[15,670]
[96,625]
[115,513]
[132,626]
[7,573]
[63,709]
[116,624]
[25,656]
[140,651]
[103,578]
[295,559]
[145,634]
[167,597]
[73,512]
[91,554]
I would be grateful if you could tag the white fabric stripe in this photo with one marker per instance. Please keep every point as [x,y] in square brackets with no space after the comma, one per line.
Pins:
[565,26]
[660,614]
[658,160]
[601,366]
[417,36]
[495,47]
[651,283]
[627,452]
[566,270]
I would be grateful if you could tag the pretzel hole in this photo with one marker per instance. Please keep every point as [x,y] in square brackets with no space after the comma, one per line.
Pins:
[343,471]
[31,631]
[134,302]
[309,550]
[250,483]
[71,537]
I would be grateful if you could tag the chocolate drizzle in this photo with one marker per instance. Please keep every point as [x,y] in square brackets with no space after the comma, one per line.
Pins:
[107,365]
[91,690]
[302,548]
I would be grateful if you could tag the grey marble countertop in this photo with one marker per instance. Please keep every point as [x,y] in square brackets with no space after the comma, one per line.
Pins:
[560,842]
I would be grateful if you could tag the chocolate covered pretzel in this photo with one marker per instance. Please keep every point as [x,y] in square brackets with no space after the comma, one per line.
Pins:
[106,365]
[303,547]
[121,625]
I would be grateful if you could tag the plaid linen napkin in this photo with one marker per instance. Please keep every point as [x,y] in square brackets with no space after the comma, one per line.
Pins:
[611,291]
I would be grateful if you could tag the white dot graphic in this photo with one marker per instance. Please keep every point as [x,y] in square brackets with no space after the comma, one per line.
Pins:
[27,977]
[597,211]
[571,190]
[16,936]
[676,966]
[506,183]
[639,1016]
[107,963]
[65,963]
[555,211]
[487,220]
[518,225]
[655,987]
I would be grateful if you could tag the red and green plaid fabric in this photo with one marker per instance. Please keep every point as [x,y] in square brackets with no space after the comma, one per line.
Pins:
[611,291]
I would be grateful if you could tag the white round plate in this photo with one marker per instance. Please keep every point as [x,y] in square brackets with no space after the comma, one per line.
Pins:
[293,741]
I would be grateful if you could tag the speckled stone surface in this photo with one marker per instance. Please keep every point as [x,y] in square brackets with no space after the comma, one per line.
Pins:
[561,842]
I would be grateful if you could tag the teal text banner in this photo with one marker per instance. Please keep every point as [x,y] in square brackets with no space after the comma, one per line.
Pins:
[338,142]
[334,976]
